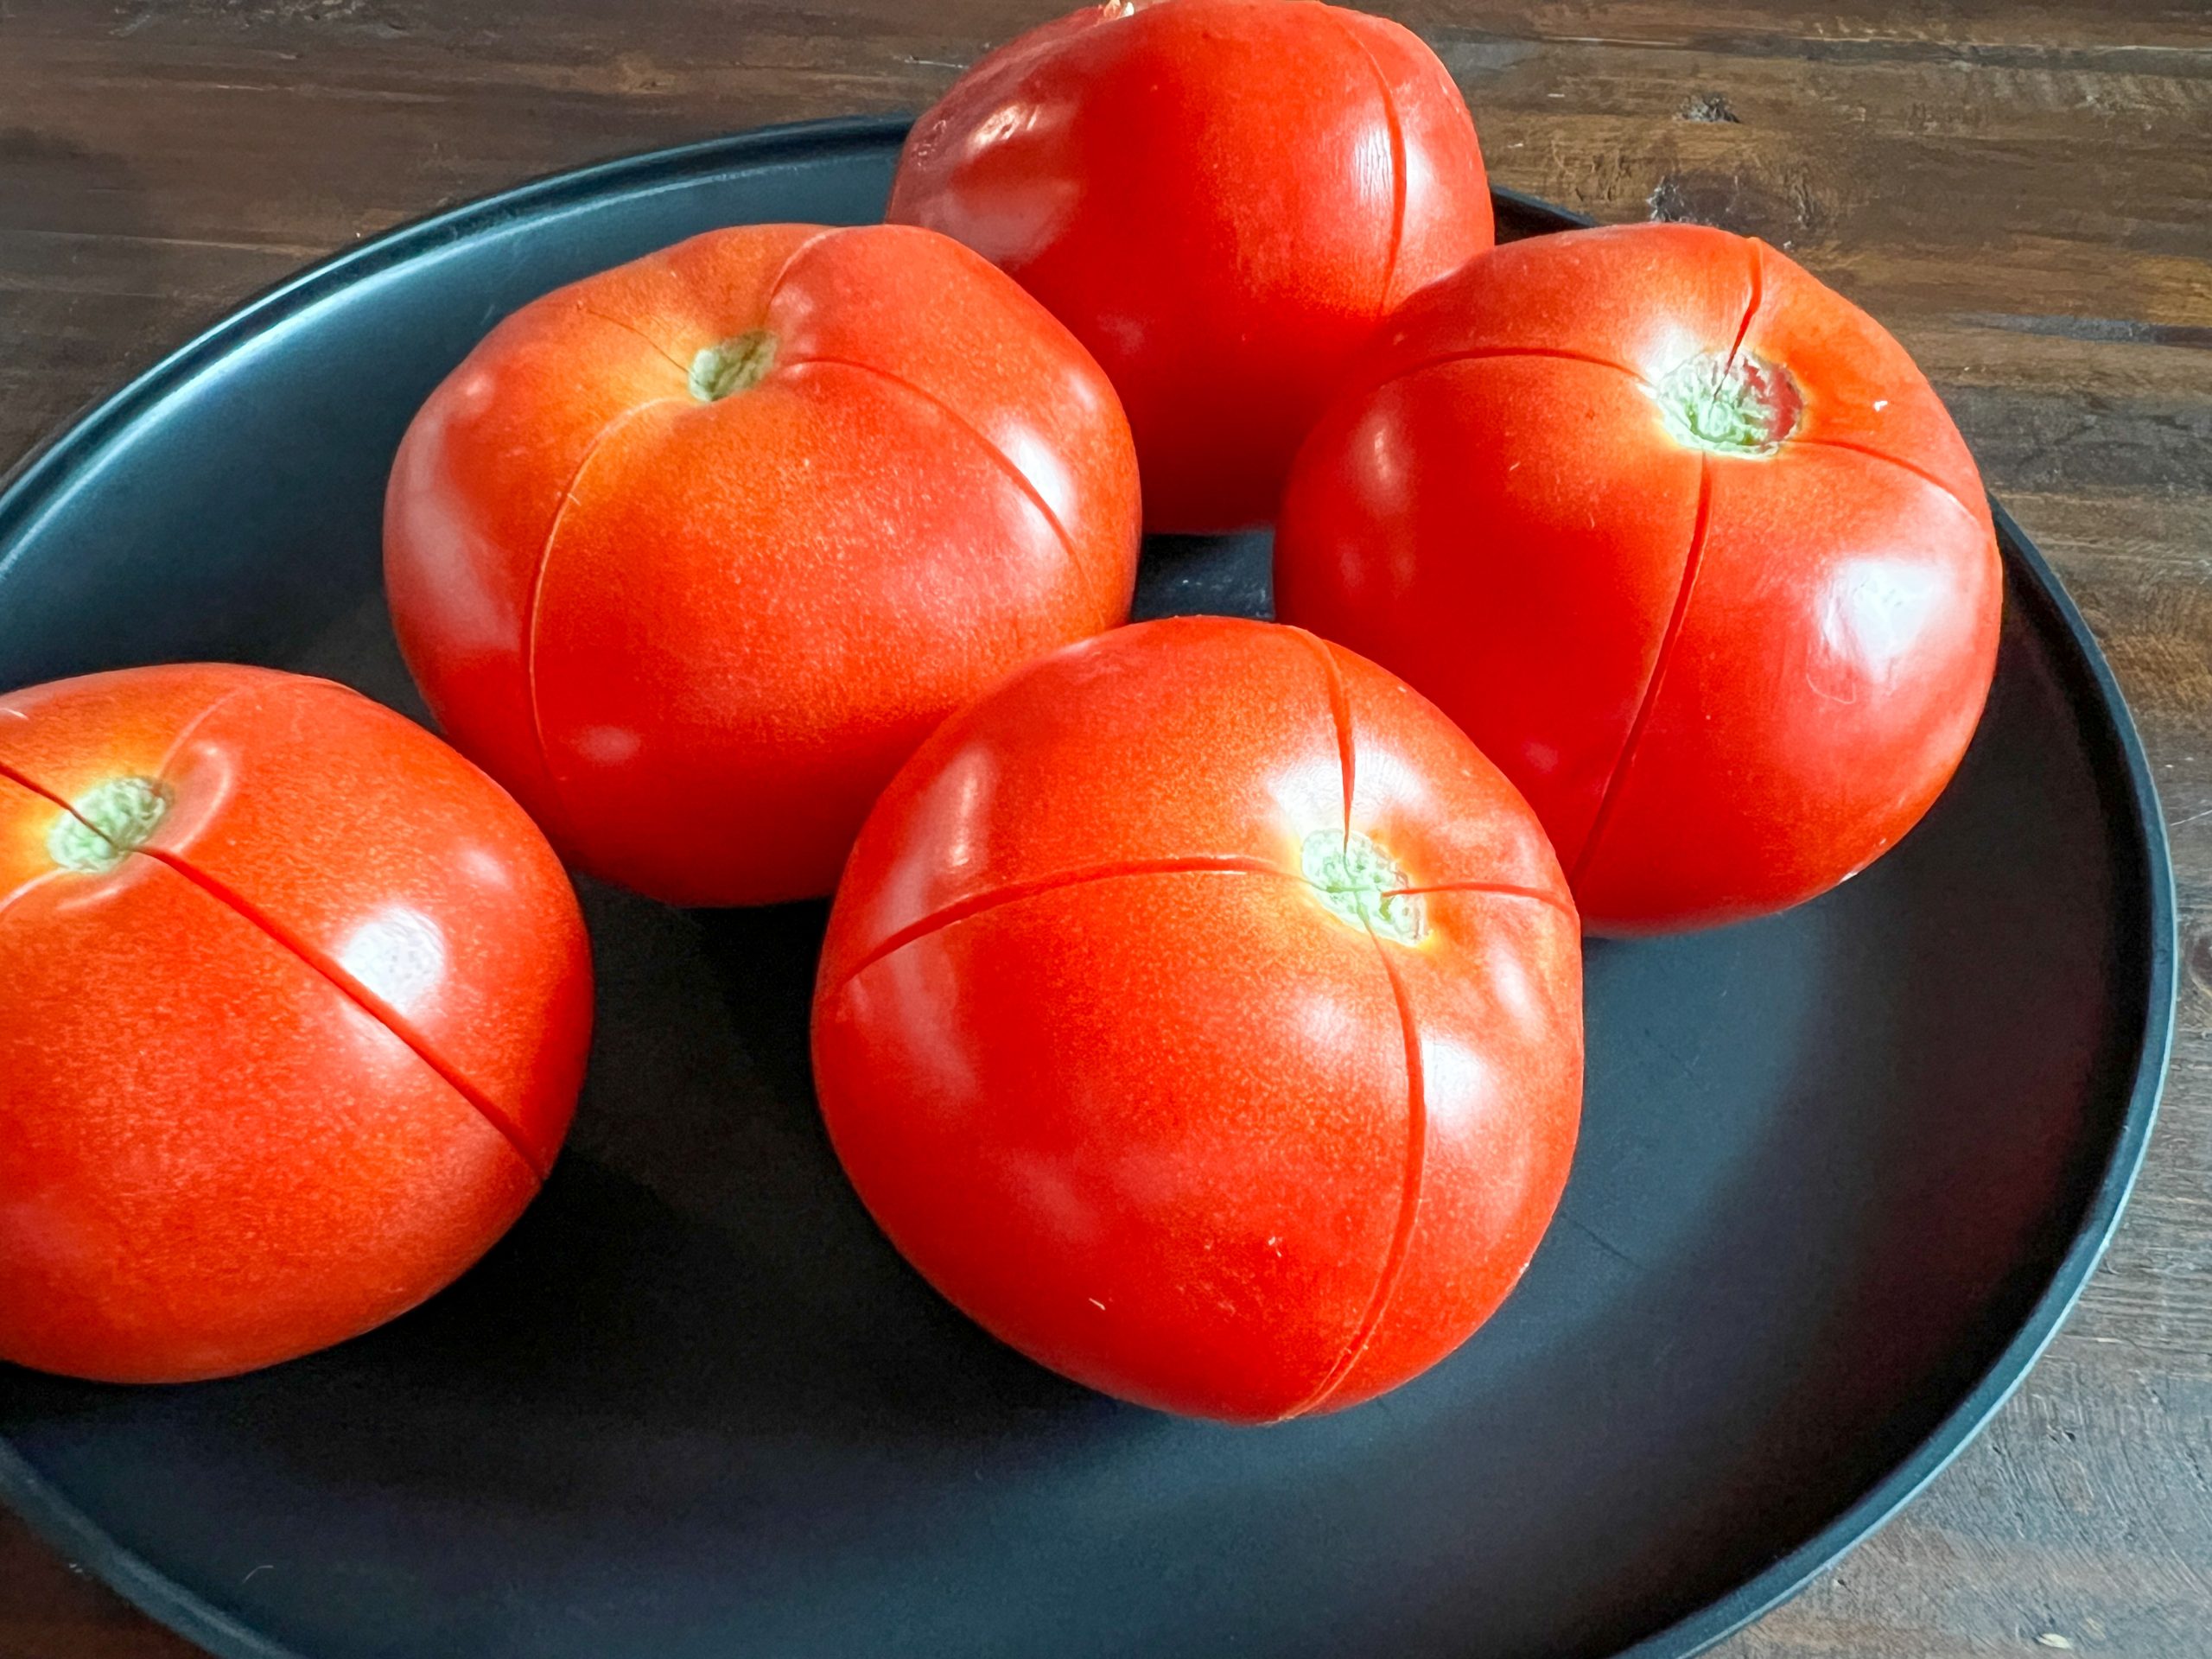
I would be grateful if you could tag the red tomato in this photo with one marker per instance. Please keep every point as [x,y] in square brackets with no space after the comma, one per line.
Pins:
[1201,1013]
[1682,540]
[1221,198]
[293,1011]
[691,555]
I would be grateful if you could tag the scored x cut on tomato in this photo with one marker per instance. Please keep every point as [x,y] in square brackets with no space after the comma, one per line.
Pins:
[691,554]
[1684,541]
[1221,199]
[294,1007]
[1201,1013]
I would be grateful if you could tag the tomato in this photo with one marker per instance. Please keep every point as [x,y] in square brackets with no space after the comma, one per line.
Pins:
[293,1004]
[1201,1013]
[1682,539]
[689,556]
[1221,198]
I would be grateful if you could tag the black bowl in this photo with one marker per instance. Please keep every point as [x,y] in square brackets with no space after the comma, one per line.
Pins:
[1842,1171]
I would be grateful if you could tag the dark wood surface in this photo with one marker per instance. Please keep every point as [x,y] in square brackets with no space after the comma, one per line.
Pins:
[2022,191]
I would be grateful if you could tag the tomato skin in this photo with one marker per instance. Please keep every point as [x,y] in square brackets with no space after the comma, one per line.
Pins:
[1112,1075]
[694,638]
[1128,167]
[290,1067]
[1725,679]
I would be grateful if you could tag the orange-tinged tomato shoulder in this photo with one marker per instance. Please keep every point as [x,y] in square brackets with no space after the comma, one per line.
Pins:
[1129,751]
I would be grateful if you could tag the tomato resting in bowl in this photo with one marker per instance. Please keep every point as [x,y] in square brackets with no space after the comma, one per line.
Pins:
[294,1005]
[1200,1012]
[690,555]
[1221,198]
[1682,539]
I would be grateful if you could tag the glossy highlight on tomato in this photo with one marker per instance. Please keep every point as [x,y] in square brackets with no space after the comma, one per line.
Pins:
[1200,1012]
[294,1008]
[1682,539]
[691,554]
[1221,198]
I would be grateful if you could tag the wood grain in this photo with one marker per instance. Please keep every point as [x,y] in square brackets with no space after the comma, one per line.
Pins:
[2022,191]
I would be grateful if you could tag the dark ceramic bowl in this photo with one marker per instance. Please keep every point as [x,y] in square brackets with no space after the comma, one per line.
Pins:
[1842,1171]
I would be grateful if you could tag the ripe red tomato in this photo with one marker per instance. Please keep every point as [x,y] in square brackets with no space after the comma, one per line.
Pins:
[1201,1013]
[1685,542]
[1221,198]
[294,1005]
[692,553]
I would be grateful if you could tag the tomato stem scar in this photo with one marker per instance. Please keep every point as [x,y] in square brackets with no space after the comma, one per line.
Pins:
[1738,406]
[108,823]
[737,365]
[1358,879]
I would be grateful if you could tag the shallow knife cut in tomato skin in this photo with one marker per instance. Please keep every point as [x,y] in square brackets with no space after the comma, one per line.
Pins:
[691,554]
[294,1010]
[1222,199]
[1682,539]
[1201,1013]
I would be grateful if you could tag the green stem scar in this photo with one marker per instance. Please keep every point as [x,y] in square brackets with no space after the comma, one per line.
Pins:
[1736,405]
[108,823]
[1356,879]
[737,365]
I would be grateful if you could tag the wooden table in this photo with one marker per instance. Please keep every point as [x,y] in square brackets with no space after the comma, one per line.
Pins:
[2021,188]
